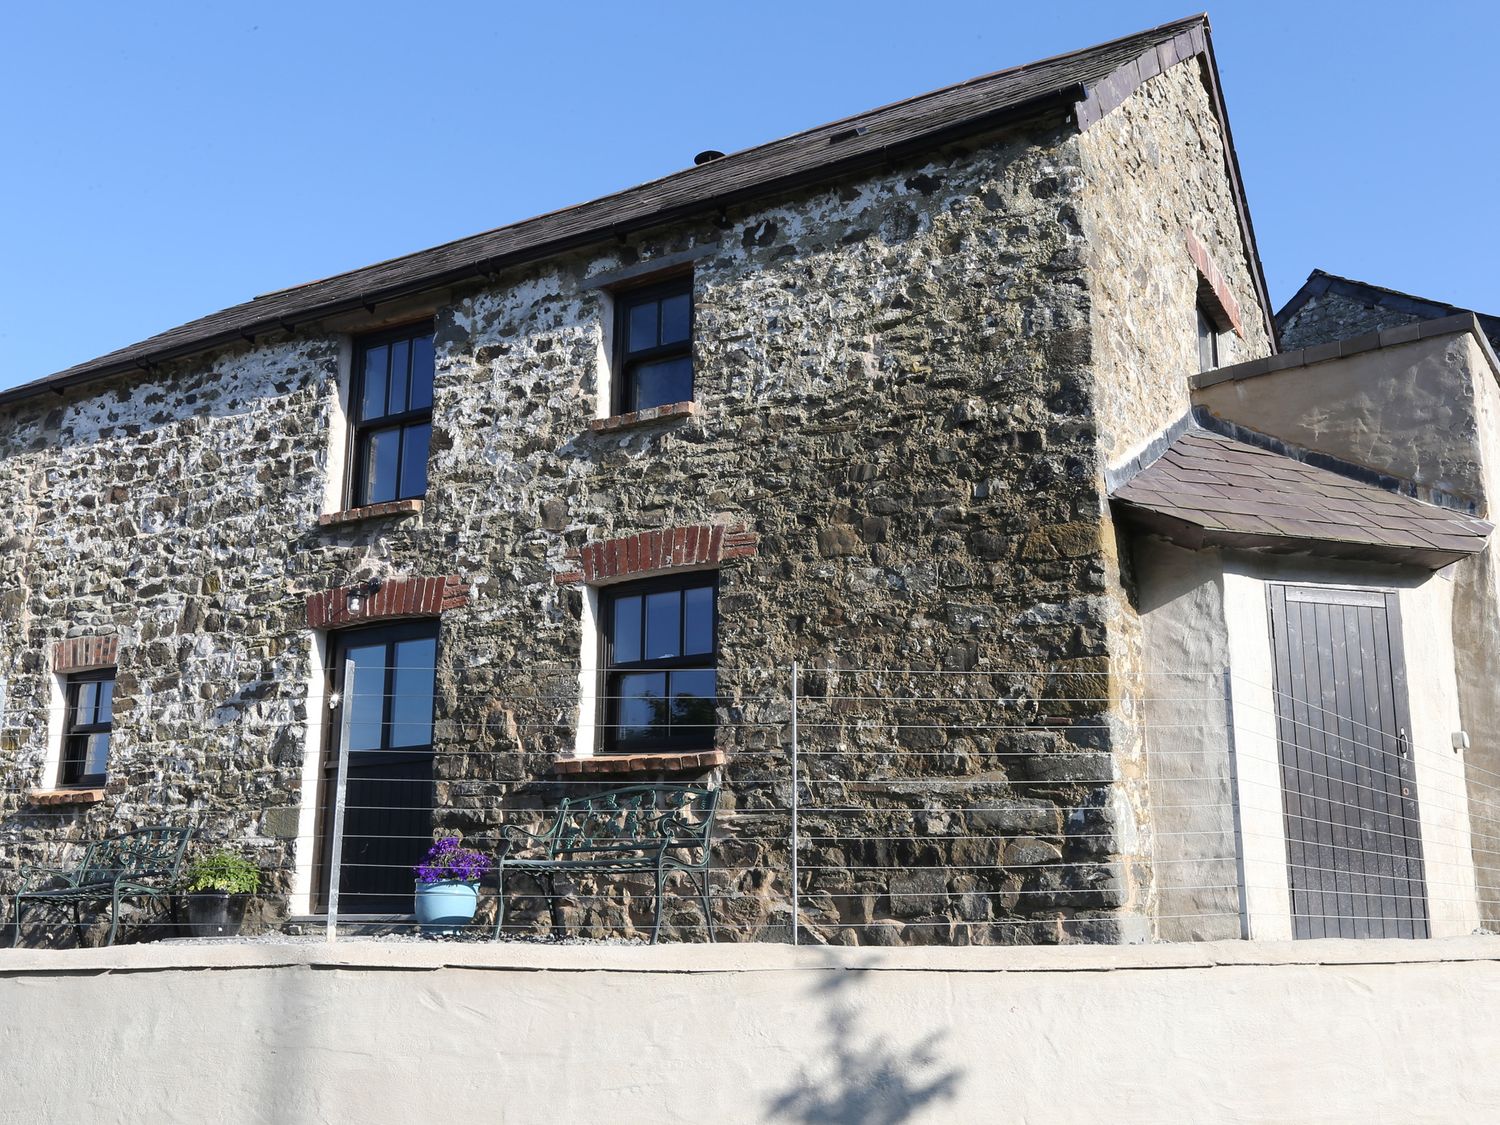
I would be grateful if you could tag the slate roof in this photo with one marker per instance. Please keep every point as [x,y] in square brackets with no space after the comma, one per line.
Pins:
[1207,489]
[1087,83]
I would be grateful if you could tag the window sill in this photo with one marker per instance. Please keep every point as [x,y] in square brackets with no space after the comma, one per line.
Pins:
[666,760]
[370,512]
[79,796]
[635,418]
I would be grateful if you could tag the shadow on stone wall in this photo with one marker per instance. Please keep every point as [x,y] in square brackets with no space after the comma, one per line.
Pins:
[860,1078]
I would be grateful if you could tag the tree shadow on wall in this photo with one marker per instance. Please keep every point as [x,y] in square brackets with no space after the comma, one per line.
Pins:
[862,1078]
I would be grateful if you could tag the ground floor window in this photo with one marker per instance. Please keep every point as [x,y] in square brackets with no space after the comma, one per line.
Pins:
[90,716]
[660,659]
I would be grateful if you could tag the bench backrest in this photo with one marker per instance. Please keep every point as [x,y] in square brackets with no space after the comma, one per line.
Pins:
[144,853]
[634,820]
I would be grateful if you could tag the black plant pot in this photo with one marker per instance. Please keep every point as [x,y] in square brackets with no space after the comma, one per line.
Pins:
[214,914]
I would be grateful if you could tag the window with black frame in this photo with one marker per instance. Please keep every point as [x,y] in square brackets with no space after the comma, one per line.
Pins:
[1208,338]
[392,412]
[654,346]
[90,716]
[660,658]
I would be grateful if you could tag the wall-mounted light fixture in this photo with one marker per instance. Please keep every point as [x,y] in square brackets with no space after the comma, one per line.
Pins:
[354,596]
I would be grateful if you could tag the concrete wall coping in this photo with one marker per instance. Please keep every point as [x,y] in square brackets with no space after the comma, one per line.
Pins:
[1339,349]
[734,957]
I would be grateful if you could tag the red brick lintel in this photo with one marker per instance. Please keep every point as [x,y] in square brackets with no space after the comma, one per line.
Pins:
[81,654]
[667,761]
[396,597]
[655,552]
[1213,277]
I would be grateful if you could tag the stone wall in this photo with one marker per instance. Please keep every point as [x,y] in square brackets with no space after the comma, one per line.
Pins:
[1338,316]
[896,396]
[1155,173]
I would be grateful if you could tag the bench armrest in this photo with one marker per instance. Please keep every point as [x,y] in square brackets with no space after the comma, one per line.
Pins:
[33,877]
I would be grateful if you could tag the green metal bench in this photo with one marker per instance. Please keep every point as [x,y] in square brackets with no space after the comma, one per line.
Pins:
[665,829]
[143,864]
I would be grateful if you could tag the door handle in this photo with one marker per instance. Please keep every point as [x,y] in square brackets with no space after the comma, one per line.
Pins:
[1401,743]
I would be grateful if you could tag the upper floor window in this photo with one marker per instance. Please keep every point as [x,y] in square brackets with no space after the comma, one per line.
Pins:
[660,659]
[91,707]
[1208,339]
[392,416]
[654,346]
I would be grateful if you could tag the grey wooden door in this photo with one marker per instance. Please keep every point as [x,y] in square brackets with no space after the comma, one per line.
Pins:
[1354,843]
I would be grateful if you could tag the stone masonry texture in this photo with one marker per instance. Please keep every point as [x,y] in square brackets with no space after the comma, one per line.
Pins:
[907,387]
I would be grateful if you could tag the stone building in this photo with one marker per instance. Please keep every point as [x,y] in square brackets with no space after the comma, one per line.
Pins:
[1329,307]
[903,400]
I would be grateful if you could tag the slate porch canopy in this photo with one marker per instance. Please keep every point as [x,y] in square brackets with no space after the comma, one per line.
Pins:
[1199,487]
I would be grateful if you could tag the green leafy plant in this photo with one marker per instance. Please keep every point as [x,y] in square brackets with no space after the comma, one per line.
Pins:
[223,871]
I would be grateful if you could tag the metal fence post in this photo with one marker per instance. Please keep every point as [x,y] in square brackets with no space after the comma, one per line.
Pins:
[796,908]
[340,794]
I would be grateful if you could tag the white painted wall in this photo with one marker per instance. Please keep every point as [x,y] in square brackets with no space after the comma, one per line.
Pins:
[1230,1032]
[305,846]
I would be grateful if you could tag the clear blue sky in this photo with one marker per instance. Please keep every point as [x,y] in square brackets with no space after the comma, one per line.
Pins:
[163,160]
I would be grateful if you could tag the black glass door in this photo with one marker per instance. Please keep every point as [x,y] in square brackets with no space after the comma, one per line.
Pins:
[384,677]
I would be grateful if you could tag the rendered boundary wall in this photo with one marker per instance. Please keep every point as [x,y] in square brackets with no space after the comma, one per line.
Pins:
[365,1032]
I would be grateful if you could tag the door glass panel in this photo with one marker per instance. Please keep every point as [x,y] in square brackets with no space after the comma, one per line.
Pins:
[382,455]
[676,312]
[643,706]
[372,404]
[663,381]
[364,695]
[400,358]
[627,630]
[693,703]
[414,460]
[698,627]
[421,373]
[411,700]
[663,625]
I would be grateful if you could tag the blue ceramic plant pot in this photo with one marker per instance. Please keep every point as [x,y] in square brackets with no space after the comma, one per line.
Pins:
[445,906]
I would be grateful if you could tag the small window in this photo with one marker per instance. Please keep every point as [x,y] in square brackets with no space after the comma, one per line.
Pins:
[91,707]
[1208,339]
[660,660]
[392,411]
[654,346]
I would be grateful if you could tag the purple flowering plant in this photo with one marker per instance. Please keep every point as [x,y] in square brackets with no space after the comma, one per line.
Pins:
[448,859]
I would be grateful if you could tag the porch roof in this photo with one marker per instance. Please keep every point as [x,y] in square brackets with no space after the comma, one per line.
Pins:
[1208,489]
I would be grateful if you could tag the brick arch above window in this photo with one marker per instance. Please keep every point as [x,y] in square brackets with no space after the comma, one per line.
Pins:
[658,552]
[395,597]
[1211,283]
[82,654]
